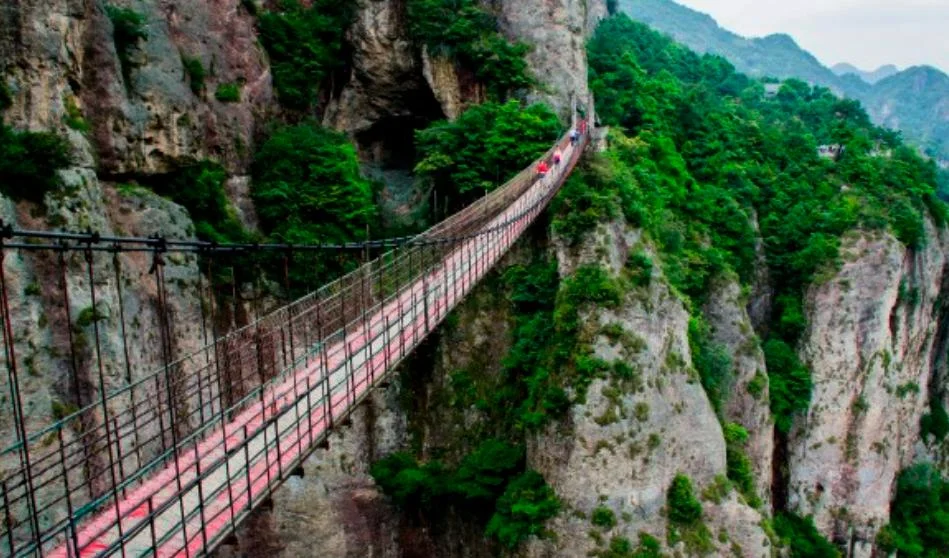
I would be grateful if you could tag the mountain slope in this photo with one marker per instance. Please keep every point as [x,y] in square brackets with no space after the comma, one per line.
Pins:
[913,101]
[775,55]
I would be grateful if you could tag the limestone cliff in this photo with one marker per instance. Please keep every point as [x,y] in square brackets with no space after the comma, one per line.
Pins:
[875,344]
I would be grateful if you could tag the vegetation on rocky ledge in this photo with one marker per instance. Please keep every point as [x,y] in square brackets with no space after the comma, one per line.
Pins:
[30,163]
[464,31]
[306,45]
[919,516]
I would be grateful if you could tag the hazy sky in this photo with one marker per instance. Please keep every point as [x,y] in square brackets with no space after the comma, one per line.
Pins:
[866,33]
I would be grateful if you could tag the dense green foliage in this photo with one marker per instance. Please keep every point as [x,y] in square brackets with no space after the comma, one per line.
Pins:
[739,467]
[919,515]
[548,356]
[29,162]
[489,484]
[712,362]
[199,188]
[521,512]
[896,101]
[305,45]
[484,147]
[802,537]
[308,190]
[700,149]
[682,507]
[128,28]
[228,93]
[936,422]
[196,73]
[462,29]
[790,383]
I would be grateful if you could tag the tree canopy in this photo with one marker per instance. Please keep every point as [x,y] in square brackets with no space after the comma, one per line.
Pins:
[484,147]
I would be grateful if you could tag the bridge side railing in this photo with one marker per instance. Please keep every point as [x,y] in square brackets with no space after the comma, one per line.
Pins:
[291,414]
[98,454]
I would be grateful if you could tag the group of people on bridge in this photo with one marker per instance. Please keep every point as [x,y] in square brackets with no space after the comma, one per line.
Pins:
[543,167]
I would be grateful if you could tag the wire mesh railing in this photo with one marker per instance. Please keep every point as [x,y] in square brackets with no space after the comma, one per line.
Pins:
[174,458]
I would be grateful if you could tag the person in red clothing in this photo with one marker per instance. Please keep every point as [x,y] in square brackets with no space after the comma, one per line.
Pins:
[557,157]
[542,168]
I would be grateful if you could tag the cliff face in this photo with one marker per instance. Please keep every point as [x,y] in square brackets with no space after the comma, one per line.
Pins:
[60,57]
[557,30]
[876,346]
[61,68]
[624,445]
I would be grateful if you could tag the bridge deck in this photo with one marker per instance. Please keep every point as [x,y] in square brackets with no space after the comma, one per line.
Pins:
[196,499]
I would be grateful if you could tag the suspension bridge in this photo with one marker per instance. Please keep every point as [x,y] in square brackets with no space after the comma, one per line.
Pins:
[170,462]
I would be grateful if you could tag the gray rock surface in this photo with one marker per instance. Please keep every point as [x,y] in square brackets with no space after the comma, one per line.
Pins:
[872,345]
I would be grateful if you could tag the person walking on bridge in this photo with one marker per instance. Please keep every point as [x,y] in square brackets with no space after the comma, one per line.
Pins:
[557,156]
[542,169]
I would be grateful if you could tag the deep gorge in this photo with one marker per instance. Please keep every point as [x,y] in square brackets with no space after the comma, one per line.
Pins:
[714,342]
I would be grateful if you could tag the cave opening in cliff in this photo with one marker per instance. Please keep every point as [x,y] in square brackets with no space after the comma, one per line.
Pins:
[390,143]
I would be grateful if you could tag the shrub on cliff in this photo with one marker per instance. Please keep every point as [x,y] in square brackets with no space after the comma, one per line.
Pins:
[199,187]
[128,28]
[802,538]
[29,163]
[489,484]
[682,507]
[919,515]
[521,512]
[308,190]
[465,31]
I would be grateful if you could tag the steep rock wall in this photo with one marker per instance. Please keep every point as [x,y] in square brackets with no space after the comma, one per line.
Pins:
[873,343]
[623,446]
[557,30]
[62,53]
[747,398]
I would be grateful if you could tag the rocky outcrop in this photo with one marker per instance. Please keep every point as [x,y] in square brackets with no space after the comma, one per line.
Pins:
[625,443]
[557,31]
[396,87]
[64,64]
[386,96]
[873,339]
[746,400]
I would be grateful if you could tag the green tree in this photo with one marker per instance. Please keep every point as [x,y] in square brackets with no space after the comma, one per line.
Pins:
[29,163]
[306,45]
[919,515]
[485,146]
[308,190]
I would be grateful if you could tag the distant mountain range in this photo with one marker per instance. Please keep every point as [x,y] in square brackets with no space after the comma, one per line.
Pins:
[914,101]
[880,73]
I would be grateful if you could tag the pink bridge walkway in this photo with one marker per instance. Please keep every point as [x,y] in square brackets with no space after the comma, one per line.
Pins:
[187,501]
